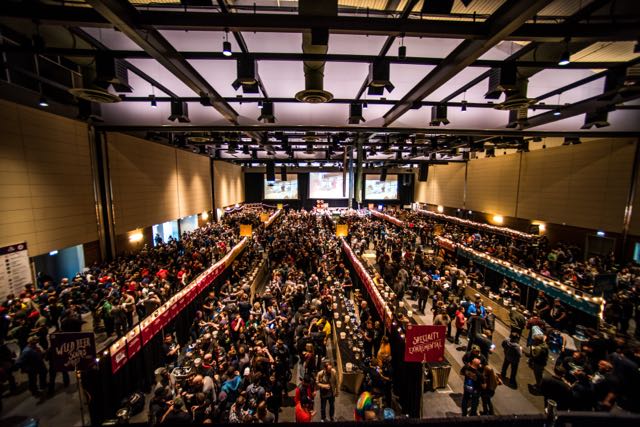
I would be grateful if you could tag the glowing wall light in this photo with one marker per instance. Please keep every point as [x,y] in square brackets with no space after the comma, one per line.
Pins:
[136,236]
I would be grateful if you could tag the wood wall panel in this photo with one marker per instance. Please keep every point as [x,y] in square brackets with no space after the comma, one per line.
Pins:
[228,184]
[492,185]
[46,184]
[194,183]
[144,182]
[444,186]
[582,185]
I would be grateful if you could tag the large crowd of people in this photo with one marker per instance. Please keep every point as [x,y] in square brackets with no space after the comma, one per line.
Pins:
[118,294]
[439,278]
[247,353]
[244,354]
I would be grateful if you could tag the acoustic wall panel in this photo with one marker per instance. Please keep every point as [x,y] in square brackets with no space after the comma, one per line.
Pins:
[445,186]
[144,182]
[228,184]
[583,185]
[46,186]
[194,183]
[492,185]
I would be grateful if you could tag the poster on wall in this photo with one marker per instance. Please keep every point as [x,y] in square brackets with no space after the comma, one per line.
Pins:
[15,270]
[374,189]
[282,190]
[328,185]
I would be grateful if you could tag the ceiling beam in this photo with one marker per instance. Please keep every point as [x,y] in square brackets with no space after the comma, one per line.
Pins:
[511,15]
[125,18]
[625,28]
[274,56]
[249,100]
[531,51]
[600,102]
[352,129]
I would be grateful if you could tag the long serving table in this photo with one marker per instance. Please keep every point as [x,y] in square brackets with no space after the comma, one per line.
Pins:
[394,316]
[348,342]
[133,341]
[573,297]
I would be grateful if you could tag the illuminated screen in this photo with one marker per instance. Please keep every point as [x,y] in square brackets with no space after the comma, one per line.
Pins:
[374,189]
[282,190]
[328,185]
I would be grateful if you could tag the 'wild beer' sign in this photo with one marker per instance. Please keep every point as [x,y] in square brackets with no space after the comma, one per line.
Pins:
[73,350]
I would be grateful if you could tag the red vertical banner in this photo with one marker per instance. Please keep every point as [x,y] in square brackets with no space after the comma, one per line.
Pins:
[424,343]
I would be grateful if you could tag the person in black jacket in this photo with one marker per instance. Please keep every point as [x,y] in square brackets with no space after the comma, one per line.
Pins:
[512,355]
[31,361]
[472,382]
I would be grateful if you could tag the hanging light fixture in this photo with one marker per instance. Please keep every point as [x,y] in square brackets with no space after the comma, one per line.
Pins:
[226,44]
[43,102]
[154,103]
[557,112]
[402,49]
[565,58]
[464,102]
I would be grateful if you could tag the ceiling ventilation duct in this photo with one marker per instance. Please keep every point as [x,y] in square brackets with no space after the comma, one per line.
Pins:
[516,99]
[518,118]
[315,41]
[112,71]
[84,89]
[503,79]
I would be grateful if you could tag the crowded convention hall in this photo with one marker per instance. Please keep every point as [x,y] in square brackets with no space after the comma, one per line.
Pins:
[417,212]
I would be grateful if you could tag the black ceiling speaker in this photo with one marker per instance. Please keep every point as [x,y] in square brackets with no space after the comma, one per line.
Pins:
[437,7]
[598,119]
[112,71]
[380,77]
[383,175]
[247,72]
[283,173]
[267,112]
[423,172]
[439,115]
[271,171]
[179,111]
[355,113]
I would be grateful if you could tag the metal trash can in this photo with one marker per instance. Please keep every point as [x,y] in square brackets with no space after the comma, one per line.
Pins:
[439,373]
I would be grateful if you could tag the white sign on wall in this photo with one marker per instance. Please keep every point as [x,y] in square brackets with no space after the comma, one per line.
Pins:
[15,270]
